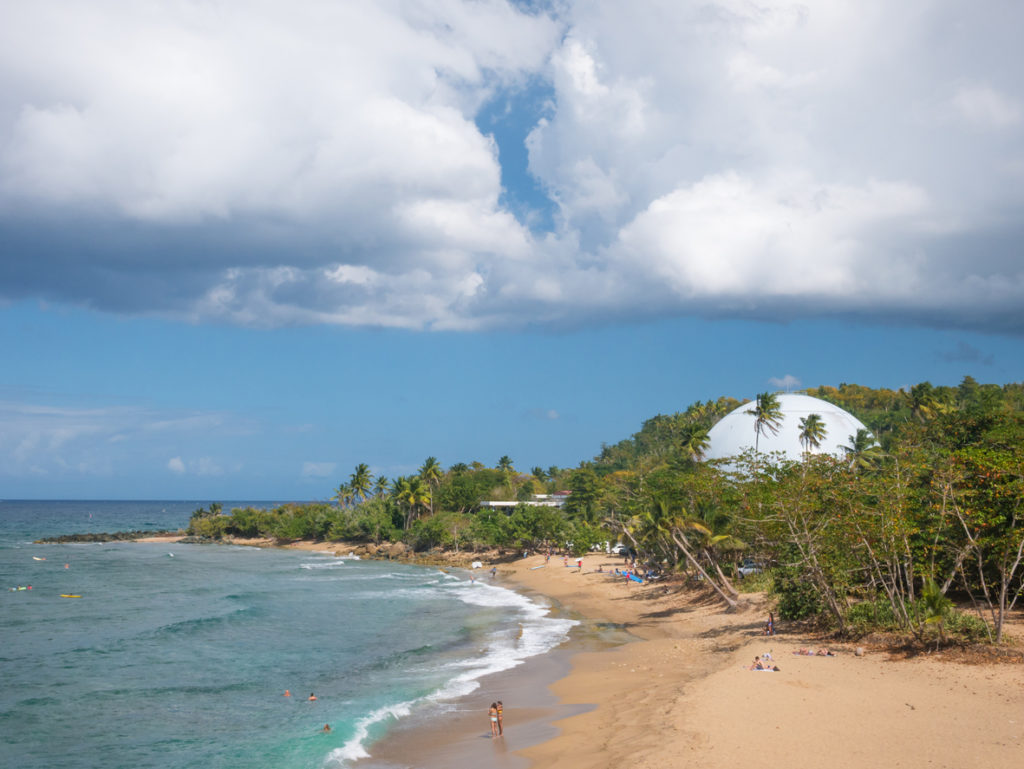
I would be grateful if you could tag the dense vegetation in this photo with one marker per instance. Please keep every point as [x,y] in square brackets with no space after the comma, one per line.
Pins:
[924,509]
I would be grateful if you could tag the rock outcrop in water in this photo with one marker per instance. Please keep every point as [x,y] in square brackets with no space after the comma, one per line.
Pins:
[117,536]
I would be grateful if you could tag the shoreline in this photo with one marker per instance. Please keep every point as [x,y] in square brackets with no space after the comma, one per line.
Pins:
[682,692]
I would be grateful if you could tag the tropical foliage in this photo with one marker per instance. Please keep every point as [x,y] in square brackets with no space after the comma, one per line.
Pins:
[924,509]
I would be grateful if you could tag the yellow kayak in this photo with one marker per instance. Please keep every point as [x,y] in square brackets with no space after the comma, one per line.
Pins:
[69,595]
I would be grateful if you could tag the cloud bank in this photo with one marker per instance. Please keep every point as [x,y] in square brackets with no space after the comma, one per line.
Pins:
[322,163]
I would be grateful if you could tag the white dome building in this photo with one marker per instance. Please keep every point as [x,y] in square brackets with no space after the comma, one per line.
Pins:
[734,433]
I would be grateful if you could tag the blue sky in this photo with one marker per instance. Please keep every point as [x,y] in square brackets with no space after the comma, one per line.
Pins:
[231,269]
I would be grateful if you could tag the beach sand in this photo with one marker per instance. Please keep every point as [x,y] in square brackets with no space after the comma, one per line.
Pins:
[684,694]
[680,693]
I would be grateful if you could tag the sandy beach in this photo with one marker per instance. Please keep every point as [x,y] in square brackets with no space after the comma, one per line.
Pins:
[684,694]
[681,693]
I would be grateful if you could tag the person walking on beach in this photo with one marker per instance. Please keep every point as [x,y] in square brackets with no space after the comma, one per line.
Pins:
[492,713]
[501,719]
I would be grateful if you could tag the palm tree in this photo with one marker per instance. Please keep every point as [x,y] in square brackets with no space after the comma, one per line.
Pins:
[343,495]
[380,486]
[923,402]
[360,481]
[680,527]
[413,493]
[767,413]
[431,474]
[863,451]
[695,441]
[505,464]
[539,474]
[936,607]
[812,430]
[459,468]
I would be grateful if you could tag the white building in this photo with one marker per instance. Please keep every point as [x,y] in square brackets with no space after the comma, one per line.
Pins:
[537,500]
[734,433]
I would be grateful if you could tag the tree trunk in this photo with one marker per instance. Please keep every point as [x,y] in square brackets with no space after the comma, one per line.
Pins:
[680,543]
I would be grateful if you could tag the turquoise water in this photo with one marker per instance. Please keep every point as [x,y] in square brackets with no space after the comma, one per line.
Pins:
[179,655]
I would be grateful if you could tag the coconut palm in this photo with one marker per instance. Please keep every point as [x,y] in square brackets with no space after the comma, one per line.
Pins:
[360,482]
[343,494]
[431,475]
[683,531]
[695,441]
[767,413]
[923,403]
[936,607]
[459,468]
[539,474]
[415,494]
[380,486]
[863,451]
[812,430]
[401,492]
[505,464]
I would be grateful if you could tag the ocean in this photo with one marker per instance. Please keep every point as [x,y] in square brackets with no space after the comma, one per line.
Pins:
[179,656]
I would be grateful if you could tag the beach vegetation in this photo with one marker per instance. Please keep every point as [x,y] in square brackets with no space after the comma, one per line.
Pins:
[916,530]
[360,483]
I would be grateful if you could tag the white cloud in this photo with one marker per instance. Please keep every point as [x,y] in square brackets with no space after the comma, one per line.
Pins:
[318,469]
[544,414]
[775,159]
[787,382]
[985,106]
[206,466]
[59,440]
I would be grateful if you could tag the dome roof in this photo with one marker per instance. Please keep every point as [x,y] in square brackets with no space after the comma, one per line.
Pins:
[734,433]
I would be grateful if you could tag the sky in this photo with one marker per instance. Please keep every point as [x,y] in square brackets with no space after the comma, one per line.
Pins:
[246,246]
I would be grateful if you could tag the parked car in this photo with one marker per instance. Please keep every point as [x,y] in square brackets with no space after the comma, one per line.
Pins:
[618,548]
[748,567]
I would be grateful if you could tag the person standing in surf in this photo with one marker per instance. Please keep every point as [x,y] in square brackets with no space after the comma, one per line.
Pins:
[492,713]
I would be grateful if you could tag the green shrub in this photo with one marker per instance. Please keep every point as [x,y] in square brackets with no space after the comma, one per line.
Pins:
[966,626]
[208,527]
[867,616]
[761,582]
[797,597]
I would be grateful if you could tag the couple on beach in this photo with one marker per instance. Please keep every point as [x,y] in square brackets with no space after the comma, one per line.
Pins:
[495,712]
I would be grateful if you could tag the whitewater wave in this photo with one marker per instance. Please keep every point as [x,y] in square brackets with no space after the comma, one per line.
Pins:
[529,632]
[355,747]
[332,564]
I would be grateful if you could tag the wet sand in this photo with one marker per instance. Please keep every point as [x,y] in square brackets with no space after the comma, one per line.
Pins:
[681,694]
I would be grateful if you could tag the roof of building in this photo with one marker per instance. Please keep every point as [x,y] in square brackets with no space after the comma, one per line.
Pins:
[734,433]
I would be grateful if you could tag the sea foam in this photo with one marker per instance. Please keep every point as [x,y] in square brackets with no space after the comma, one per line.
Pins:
[534,633]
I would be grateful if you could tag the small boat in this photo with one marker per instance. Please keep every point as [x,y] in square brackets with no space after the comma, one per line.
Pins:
[69,595]
[37,558]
